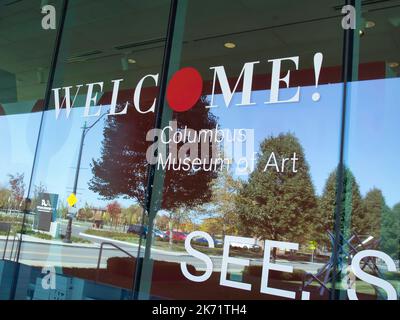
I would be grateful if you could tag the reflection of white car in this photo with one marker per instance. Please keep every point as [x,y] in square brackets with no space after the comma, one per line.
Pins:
[245,245]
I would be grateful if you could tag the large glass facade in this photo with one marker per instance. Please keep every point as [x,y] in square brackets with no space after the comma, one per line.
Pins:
[180,149]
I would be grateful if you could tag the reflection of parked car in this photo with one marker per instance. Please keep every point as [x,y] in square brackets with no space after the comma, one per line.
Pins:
[160,234]
[142,230]
[137,229]
[177,235]
[204,241]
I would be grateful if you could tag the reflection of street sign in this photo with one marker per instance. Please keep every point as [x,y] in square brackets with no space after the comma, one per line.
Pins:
[72,199]
[72,211]
[312,245]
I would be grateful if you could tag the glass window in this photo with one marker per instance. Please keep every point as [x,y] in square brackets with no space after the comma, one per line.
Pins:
[199,150]
[88,185]
[253,156]
[26,51]
[371,219]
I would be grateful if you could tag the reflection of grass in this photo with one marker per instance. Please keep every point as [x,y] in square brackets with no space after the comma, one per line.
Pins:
[177,246]
[28,231]
[15,223]
[39,235]
[4,233]
[10,219]
[361,286]
[77,239]
[128,237]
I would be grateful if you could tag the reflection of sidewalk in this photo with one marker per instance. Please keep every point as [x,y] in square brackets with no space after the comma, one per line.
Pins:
[124,243]
[42,252]
[32,239]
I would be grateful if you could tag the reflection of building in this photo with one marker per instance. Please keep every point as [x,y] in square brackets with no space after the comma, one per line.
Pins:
[98,218]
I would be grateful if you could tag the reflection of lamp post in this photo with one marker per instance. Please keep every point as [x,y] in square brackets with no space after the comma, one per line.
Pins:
[85,130]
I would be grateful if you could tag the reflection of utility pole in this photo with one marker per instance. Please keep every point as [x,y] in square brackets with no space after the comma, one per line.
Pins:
[85,129]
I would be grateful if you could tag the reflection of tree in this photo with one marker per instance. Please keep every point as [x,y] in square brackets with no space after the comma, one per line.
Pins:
[368,216]
[121,169]
[177,218]
[114,210]
[212,226]
[132,214]
[222,211]
[278,205]
[162,222]
[86,213]
[17,187]
[352,206]
[374,206]
[37,190]
[62,210]
[390,233]
[5,196]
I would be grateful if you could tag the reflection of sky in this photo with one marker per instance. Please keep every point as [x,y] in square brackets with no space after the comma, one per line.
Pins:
[373,151]
[315,124]
[373,133]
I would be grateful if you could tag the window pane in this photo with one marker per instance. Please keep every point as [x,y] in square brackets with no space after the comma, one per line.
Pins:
[266,169]
[371,148]
[26,51]
[91,171]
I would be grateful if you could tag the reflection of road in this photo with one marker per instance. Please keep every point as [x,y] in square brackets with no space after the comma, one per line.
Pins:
[76,229]
[86,256]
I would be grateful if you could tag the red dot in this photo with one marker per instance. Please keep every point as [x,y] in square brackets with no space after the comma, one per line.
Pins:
[184,89]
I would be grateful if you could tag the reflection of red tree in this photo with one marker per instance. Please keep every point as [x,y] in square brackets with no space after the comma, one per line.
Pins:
[122,167]
[17,186]
[114,210]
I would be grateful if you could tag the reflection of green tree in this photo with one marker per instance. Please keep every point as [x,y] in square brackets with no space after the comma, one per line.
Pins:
[368,216]
[379,221]
[374,206]
[278,205]
[390,232]
[352,212]
[62,210]
[5,195]
[212,226]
